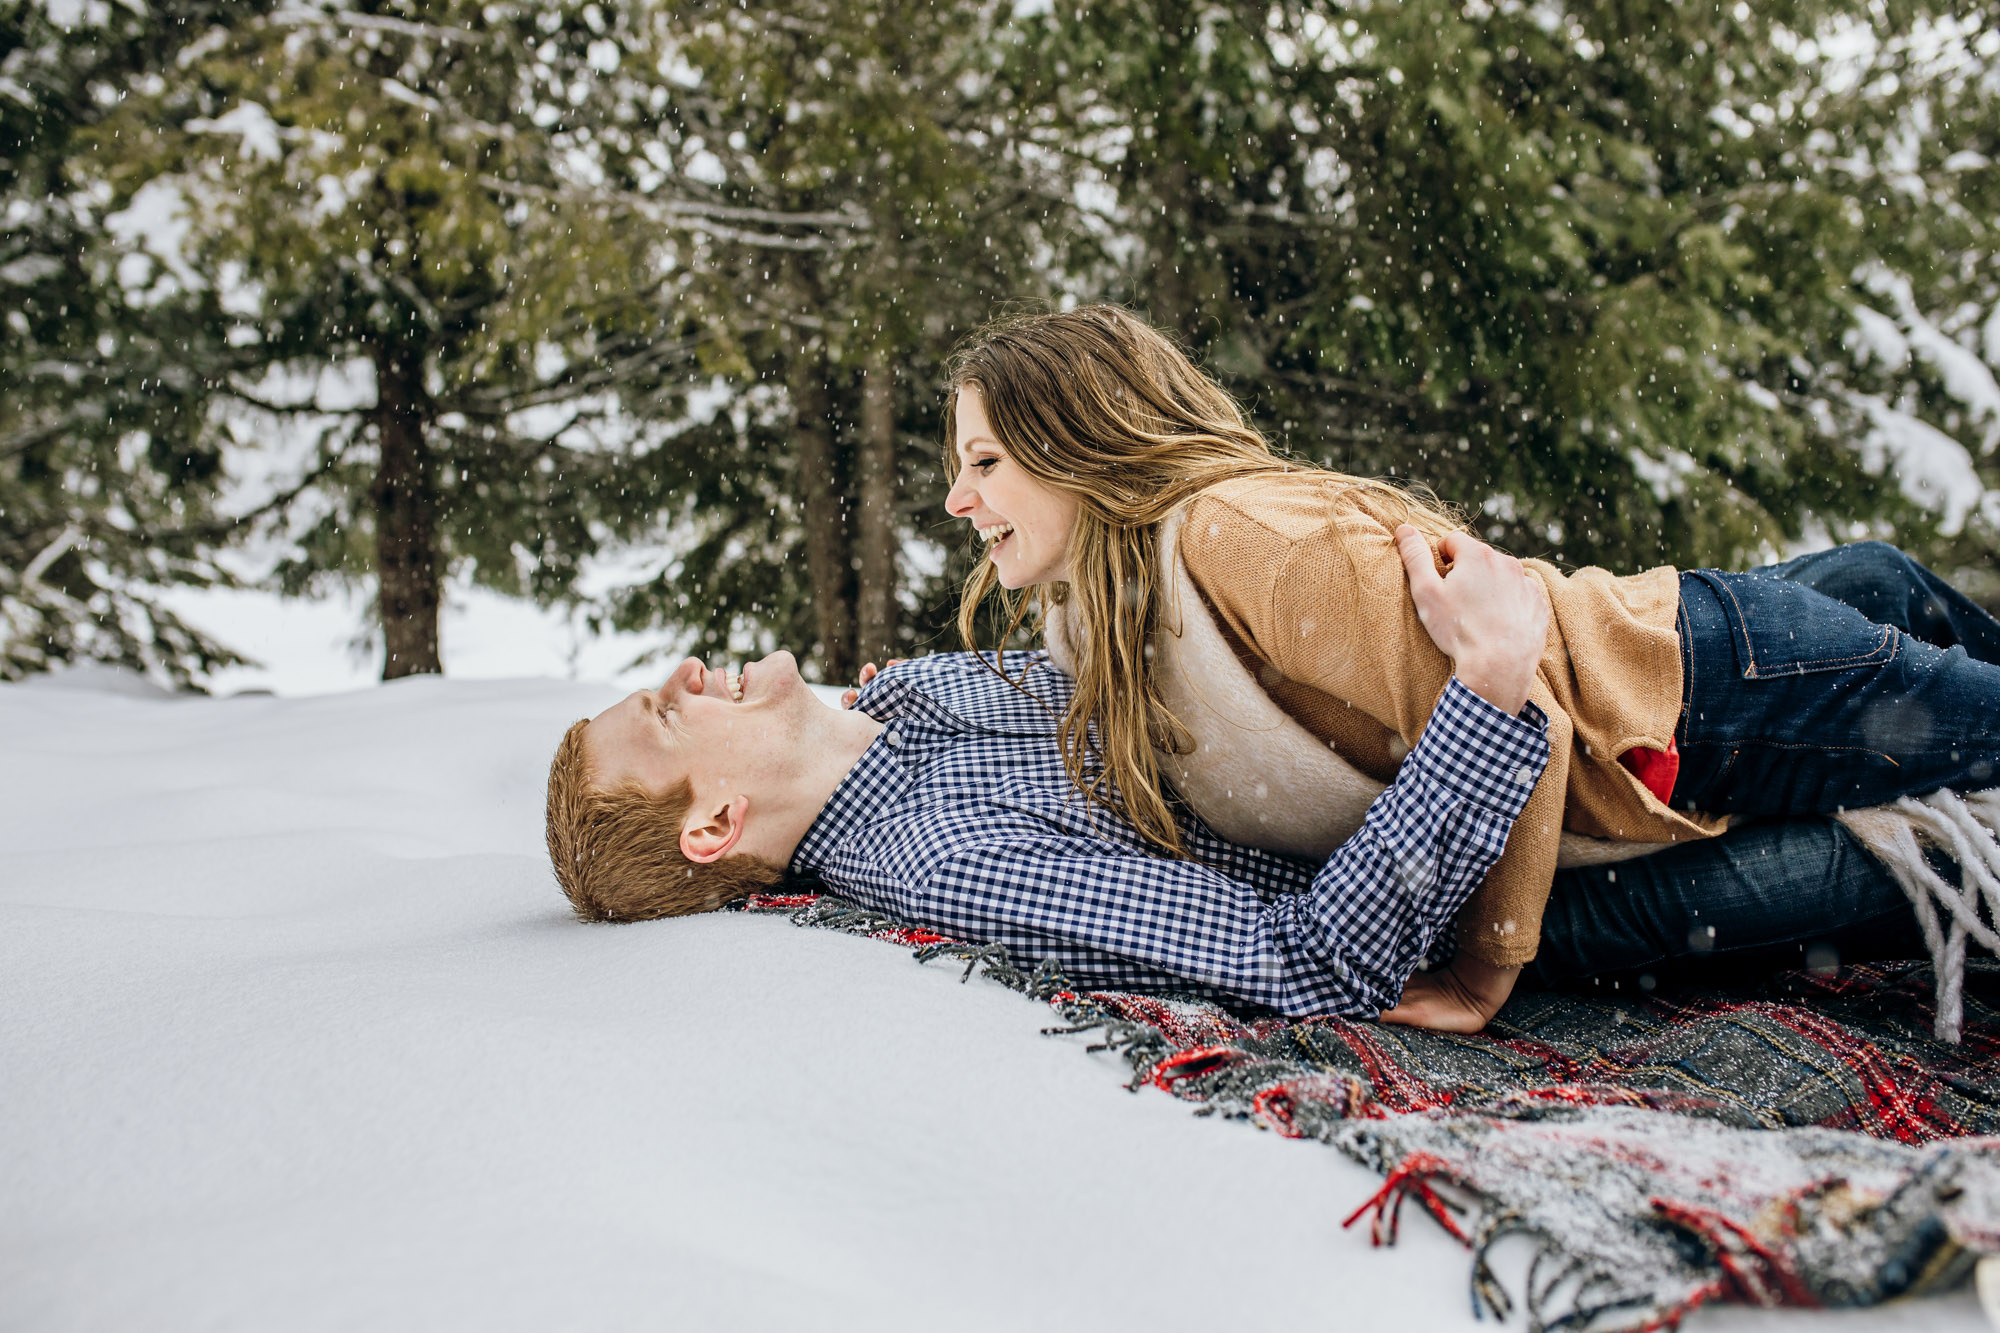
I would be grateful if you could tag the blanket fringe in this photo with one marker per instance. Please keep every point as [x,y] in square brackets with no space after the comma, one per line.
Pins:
[1564,1290]
[1413,1175]
[1561,1290]
[1967,829]
[1143,1047]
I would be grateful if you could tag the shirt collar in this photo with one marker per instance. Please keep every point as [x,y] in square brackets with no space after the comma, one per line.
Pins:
[915,726]
[876,779]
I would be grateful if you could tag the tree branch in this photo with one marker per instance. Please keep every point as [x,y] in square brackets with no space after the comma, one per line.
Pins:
[278,503]
[377,22]
[606,375]
[681,208]
[288,409]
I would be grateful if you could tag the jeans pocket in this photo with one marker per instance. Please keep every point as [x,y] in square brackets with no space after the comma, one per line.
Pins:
[1779,628]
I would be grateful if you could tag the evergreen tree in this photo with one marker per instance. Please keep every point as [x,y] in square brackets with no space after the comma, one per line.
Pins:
[107,476]
[1591,266]
[497,288]
[868,202]
[414,213]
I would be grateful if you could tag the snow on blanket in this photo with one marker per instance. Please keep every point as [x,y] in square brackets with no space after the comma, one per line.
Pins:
[297,1035]
[1804,1143]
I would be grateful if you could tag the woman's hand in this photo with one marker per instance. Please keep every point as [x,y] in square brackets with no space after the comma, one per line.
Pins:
[1461,997]
[868,673]
[1486,612]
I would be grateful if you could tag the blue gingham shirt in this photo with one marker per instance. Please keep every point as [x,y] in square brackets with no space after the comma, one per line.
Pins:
[961,817]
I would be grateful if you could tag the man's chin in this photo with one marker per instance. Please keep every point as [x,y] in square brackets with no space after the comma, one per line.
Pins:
[776,679]
[803,698]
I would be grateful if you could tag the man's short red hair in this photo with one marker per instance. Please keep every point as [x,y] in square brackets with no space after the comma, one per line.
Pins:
[617,852]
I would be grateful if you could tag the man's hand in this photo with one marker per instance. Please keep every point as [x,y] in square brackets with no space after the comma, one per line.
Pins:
[868,673]
[1462,997]
[1488,614]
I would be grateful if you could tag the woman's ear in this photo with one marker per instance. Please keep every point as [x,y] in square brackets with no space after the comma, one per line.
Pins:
[709,835]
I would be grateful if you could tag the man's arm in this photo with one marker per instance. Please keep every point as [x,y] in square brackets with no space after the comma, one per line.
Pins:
[1344,944]
[1348,941]
[1492,620]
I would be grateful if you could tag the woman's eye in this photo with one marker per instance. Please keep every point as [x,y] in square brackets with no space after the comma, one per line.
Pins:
[986,464]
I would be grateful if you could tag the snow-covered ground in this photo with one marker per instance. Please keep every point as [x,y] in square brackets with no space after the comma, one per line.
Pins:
[296,1034]
[328,643]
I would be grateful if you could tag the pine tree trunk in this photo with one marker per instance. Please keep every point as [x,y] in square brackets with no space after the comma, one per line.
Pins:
[875,466]
[1174,301]
[405,500]
[828,563]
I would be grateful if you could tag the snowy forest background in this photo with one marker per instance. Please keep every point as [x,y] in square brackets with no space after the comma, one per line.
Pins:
[636,309]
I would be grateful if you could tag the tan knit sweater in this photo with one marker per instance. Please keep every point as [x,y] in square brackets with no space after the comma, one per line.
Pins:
[1301,573]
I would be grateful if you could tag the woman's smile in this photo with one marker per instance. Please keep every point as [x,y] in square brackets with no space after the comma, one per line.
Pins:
[1023,522]
[995,536]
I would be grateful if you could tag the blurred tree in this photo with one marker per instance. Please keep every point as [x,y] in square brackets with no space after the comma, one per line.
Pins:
[868,203]
[1592,267]
[440,296]
[107,477]
[498,288]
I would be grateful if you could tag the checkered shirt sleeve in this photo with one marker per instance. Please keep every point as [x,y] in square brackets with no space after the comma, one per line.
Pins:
[972,828]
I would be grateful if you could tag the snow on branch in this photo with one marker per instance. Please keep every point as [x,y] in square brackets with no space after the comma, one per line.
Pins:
[710,215]
[377,22]
[1930,467]
[691,208]
[1892,342]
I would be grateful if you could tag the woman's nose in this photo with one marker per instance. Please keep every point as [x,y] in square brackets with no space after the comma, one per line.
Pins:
[958,501]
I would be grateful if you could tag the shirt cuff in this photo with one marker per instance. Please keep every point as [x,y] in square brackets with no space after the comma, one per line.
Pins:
[1475,750]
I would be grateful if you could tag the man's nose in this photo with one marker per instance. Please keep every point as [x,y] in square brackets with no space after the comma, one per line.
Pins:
[686,678]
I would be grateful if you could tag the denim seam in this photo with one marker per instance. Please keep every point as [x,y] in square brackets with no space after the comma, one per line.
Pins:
[1808,937]
[1750,654]
[1795,745]
[1685,629]
[1661,958]
[1873,657]
[1691,750]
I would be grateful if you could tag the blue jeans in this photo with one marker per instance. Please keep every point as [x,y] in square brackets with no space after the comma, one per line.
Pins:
[1771,895]
[1793,702]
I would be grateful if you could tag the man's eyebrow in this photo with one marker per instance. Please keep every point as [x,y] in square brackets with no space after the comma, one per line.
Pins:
[655,713]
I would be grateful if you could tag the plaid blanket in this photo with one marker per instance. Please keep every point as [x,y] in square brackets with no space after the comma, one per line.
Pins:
[1807,1143]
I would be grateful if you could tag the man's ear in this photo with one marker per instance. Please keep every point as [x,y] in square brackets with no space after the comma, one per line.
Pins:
[709,835]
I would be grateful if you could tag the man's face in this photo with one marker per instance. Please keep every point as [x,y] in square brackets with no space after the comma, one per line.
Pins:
[694,727]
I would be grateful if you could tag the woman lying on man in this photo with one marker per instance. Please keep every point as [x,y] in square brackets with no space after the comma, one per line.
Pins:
[1242,639]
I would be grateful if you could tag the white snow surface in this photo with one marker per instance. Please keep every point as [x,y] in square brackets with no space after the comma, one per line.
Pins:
[1963,375]
[298,1035]
[1930,467]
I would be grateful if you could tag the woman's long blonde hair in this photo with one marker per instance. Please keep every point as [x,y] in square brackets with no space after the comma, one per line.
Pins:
[1097,403]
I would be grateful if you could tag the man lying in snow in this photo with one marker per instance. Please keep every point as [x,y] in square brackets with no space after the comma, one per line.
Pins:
[942,798]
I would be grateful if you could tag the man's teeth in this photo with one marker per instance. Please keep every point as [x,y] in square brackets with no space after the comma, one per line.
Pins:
[994,533]
[734,680]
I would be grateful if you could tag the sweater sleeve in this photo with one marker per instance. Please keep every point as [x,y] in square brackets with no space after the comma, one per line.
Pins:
[1328,604]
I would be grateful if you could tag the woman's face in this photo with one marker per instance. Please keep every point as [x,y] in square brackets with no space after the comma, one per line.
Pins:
[1024,523]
